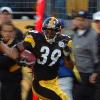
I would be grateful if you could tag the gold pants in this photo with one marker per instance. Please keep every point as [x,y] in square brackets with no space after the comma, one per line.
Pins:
[49,90]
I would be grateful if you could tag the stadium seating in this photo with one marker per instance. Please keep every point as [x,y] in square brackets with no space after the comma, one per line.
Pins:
[21,24]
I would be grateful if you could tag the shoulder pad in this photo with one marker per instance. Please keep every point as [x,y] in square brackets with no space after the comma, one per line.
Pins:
[67,40]
[66,36]
[30,39]
[31,32]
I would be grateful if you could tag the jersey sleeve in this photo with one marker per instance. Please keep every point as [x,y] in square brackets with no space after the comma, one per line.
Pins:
[29,40]
[28,43]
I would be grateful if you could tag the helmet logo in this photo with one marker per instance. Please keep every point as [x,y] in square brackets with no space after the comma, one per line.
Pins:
[51,23]
[61,44]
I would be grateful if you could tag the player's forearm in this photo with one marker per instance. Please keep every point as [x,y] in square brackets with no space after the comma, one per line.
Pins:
[69,63]
[11,52]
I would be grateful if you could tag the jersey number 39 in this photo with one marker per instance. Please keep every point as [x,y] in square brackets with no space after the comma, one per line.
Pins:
[56,53]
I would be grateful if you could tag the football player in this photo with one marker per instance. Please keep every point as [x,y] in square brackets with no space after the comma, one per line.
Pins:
[48,47]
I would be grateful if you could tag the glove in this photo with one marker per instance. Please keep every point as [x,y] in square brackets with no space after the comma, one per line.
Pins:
[26,59]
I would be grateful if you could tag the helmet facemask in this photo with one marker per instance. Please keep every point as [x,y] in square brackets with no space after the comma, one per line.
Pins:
[50,29]
[50,35]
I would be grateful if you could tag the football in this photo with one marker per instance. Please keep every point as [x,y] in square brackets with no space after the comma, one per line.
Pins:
[27,58]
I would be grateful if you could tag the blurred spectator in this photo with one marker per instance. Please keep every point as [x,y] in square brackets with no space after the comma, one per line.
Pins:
[6,15]
[95,77]
[85,52]
[10,71]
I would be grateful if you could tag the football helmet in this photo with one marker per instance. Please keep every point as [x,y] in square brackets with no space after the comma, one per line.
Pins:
[51,27]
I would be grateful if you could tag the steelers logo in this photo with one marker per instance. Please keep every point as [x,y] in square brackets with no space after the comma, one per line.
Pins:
[61,44]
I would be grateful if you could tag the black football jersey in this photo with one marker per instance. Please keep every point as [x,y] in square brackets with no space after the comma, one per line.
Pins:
[47,55]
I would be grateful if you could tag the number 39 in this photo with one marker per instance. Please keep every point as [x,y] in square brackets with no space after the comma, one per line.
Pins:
[45,53]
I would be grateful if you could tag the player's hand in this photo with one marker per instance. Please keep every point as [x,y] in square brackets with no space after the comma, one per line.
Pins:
[93,77]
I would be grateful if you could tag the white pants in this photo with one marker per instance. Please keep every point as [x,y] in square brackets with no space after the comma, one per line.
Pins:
[66,85]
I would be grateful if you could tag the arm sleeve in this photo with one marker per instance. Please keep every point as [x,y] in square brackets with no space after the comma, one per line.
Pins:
[29,39]
[94,50]
[29,42]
